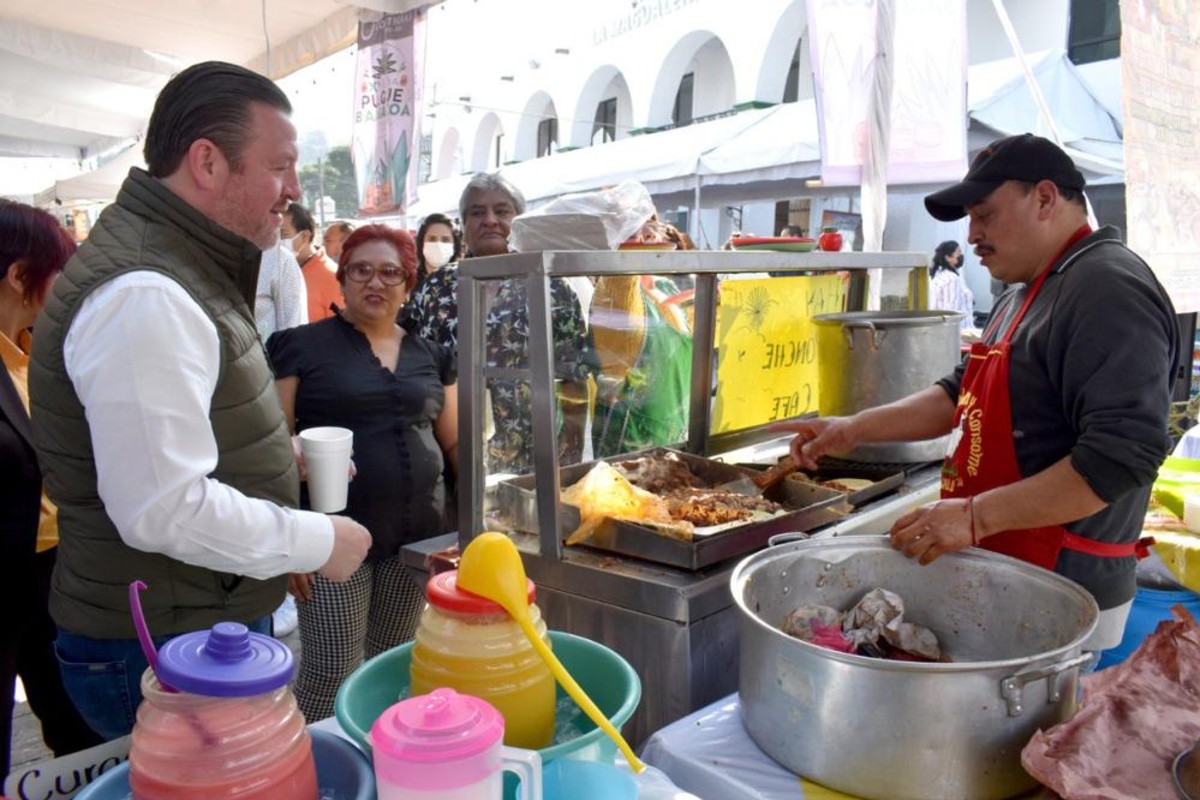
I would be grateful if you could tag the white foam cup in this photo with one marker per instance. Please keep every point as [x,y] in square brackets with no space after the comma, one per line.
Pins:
[1191,512]
[327,461]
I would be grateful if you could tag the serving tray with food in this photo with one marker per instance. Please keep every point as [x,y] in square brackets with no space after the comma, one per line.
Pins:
[672,507]
[859,482]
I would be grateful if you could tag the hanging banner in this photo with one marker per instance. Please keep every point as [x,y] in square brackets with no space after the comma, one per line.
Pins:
[767,347]
[387,112]
[1160,72]
[929,91]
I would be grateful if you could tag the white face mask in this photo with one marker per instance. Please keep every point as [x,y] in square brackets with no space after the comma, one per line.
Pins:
[438,254]
[288,245]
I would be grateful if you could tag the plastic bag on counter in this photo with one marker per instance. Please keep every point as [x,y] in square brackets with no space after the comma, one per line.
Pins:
[599,220]
[1137,716]
[1174,562]
[653,783]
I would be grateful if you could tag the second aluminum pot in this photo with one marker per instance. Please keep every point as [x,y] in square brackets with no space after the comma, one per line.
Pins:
[868,358]
[893,730]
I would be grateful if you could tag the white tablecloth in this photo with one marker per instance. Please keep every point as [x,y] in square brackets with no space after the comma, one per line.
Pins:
[710,754]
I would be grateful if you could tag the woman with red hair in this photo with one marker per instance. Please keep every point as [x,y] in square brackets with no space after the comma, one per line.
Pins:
[33,250]
[361,370]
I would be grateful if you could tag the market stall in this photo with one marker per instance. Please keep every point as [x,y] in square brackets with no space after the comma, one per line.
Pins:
[663,603]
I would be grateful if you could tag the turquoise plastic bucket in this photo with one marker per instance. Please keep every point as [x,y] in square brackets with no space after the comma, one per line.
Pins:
[568,779]
[605,676]
[1150,606]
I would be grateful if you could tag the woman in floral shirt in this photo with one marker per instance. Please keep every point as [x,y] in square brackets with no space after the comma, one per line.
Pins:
[434,307]
[487,207]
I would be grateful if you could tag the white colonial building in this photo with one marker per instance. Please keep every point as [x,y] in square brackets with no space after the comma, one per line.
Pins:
[710,104]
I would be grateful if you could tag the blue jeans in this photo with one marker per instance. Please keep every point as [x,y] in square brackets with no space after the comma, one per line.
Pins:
[103,677]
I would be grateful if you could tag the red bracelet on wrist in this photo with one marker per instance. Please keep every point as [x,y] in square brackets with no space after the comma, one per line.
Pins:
[971,514]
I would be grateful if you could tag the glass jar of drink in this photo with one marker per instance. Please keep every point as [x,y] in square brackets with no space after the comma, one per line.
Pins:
[471,644]
[227,728]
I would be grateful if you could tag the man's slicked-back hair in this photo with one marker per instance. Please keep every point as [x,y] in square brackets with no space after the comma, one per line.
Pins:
[206,101]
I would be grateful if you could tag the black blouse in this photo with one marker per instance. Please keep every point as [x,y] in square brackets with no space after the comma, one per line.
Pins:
[397,492]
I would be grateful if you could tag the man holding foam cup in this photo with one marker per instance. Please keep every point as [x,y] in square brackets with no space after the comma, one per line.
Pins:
[159,431]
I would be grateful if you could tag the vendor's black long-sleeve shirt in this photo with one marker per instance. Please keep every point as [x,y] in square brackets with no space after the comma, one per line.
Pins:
[1091,374]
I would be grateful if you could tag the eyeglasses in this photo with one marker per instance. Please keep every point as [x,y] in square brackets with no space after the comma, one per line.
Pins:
[363,271]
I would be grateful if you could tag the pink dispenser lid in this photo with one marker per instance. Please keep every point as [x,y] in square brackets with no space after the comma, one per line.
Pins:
[437,741]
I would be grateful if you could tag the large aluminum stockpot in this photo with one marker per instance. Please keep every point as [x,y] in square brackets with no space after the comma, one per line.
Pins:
[893,730]
[868,358]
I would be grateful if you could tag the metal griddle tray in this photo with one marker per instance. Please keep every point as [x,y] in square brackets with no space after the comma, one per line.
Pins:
[884,478]
[808,506]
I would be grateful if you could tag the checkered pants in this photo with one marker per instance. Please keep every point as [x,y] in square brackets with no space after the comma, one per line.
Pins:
[377,609]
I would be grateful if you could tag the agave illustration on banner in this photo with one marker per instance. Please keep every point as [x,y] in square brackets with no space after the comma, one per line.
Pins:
[386,110]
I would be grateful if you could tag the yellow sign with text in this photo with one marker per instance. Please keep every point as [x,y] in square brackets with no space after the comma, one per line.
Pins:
[767,347]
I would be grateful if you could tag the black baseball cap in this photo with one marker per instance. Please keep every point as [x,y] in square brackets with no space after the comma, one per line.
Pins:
[1024,157]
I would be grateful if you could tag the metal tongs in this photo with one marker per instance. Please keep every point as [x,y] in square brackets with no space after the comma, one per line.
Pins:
[763,481]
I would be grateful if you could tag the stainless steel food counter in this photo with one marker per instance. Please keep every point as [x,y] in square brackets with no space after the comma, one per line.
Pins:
[677,627]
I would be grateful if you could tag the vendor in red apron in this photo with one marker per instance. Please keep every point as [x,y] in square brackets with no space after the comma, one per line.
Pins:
[1058,417]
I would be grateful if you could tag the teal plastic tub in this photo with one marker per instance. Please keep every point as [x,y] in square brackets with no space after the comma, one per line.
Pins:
[1150,607]
[606,677]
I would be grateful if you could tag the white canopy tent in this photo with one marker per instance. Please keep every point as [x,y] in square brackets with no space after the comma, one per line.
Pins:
[761,154]
[99,185]
[78,78]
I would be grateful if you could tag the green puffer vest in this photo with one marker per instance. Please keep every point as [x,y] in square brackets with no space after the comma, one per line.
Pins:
[150,228]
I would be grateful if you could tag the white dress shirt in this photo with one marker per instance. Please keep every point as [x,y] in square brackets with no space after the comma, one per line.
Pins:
[143,358]
[281,300]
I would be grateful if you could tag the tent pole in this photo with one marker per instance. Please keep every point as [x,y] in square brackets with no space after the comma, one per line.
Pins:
[696,213]
[1035,90]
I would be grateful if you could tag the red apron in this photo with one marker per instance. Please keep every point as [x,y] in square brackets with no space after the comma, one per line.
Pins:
[982,455]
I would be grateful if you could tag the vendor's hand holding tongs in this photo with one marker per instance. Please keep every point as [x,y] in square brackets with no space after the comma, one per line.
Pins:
[786,466]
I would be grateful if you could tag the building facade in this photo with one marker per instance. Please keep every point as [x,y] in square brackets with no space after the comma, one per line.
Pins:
[515,81]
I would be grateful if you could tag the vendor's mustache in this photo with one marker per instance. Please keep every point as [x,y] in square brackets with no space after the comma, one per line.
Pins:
[983,249]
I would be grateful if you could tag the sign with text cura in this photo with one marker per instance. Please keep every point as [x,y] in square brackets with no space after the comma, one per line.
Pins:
[65,777]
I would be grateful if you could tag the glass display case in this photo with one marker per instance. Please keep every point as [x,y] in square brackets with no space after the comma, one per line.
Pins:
[697,352]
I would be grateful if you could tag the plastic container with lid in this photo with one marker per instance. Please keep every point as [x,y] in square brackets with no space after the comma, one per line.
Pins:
[447,746]
[231,731]
[468,643]
[830,239]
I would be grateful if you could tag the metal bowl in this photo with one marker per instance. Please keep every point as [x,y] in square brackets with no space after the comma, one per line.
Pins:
[1186,773]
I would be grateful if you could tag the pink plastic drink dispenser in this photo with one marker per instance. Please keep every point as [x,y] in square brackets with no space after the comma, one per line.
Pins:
[448,746]
[228,728]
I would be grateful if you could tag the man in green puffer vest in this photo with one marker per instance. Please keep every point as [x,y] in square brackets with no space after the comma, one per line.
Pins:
[155,414]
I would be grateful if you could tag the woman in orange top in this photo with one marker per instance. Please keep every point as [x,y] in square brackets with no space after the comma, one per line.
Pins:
[33,250]
[298,234]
